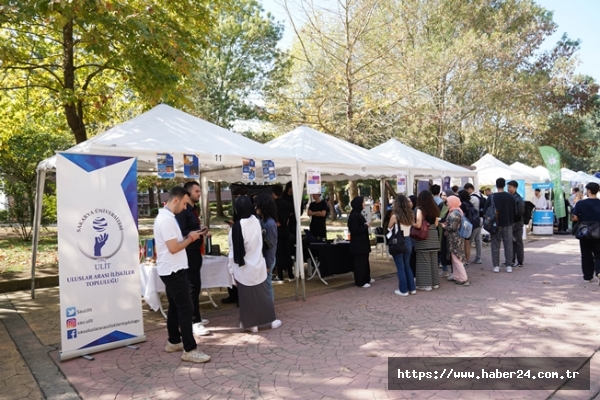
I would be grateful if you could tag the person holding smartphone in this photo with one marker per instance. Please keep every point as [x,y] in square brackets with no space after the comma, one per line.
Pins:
[189,221]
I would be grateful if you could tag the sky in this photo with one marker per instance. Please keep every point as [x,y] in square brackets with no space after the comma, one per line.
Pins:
[580,19]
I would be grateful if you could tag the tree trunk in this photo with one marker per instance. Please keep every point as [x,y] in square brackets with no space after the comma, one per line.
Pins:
[331,191]
[71,106]
[218,199]
[340,198]
[352,190]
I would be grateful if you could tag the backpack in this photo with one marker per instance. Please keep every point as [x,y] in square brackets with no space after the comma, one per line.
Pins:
[482,203]
[466,227]
[473,216]
[529,207]
[489,218]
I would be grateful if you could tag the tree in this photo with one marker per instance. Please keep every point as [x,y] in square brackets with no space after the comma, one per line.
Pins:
[87,54]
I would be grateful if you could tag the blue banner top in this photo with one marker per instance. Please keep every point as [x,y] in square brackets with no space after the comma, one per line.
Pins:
[545,185]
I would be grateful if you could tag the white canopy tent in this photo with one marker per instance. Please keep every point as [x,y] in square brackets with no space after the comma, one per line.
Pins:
[489,168]
[570,176]
[526,169]
[420,164]
[587,178]
[167,130]
[543,173]
[335,158]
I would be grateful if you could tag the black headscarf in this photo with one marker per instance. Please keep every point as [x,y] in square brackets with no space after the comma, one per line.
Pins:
[357,204]
[243,210]
[413,200]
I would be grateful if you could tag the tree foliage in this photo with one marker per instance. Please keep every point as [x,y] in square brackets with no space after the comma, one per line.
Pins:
[85,55]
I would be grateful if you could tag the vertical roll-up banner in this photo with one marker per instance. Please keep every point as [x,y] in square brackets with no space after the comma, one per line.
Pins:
[98,250]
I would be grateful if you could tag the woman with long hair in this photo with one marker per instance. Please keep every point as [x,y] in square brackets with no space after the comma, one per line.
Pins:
[465,204]
[249,269]
[402,219]
[267,213]
[412,200]
[445,258]
[427,250]
[360,246]
[456,244]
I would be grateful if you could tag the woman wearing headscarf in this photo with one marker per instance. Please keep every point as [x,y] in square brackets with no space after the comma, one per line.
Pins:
[412,200]
[456,244]
[402,219]
[427,250]
[249,269]
[360,246]
[445,258]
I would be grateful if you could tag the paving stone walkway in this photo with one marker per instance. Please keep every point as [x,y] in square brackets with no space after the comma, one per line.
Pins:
[335,345]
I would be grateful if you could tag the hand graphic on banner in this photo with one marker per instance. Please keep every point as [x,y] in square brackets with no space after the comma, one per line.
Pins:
[100,242]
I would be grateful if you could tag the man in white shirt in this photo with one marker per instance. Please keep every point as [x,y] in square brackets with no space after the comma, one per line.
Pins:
[539,201]
[172,266]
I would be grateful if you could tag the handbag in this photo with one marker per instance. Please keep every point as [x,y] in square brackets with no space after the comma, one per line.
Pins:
[422,233]
[396,244]
[466,228]
[587,230]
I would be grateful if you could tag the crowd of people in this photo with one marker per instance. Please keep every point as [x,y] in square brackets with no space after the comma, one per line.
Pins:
[263,230]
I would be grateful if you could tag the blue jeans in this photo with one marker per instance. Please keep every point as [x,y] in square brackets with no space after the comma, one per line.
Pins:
[406,279]
[269,280]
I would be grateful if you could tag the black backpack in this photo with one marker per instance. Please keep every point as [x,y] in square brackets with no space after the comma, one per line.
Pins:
[473,215]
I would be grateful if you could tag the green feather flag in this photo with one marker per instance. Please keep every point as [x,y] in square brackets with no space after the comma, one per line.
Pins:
[552,159]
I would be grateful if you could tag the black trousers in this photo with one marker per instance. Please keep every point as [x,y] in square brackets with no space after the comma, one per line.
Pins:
[283,257]
[362,269]
[179,316]
[194,264]
[590,257]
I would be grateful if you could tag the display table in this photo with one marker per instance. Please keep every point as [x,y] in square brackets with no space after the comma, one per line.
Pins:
[214,274]
[330,259]
[543,222]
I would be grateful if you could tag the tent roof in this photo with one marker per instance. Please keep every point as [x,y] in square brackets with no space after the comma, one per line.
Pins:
[525,169]
[420,163]
[586,178]
[333,156]
[490,168]
[164,129]
[542,172]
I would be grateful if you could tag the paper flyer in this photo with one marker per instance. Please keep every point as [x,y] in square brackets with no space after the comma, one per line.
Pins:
[165,166]
[401,182]
[248,169]
[191,167]
[268,167]
[313,181]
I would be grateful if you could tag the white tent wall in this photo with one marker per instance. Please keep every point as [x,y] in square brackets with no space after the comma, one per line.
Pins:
[167,130]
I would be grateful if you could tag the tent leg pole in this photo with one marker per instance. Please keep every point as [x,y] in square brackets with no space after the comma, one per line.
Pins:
[37,219]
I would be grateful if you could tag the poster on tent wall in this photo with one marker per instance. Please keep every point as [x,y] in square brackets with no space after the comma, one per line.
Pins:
[268,167]
[165,166]
[446,183]
[422,185]
[191,166]
[248,169]
[401,182]
[98,250]
[313,181]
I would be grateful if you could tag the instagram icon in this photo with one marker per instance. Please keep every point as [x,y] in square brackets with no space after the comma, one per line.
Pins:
[71,323]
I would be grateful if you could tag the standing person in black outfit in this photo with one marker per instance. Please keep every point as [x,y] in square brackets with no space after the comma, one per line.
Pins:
[283,260]
[360,246]
[588,210]
[518,249]
[233,291]
[505,217]
[189,221]
[317,210]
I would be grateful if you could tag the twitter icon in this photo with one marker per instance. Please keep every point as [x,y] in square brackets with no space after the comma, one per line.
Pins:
[71,311]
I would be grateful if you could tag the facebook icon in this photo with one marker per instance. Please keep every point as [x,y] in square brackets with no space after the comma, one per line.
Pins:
[72,334]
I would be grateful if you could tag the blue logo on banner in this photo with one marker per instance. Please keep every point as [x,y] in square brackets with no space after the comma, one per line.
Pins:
[71,311]
[72,334]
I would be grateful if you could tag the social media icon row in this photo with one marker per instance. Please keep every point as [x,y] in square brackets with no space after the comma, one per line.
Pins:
[71,323]
[72,334]
[71,311]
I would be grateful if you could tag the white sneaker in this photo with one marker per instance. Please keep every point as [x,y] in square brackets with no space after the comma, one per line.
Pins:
[366,285]
[276,324]
[436,286]
[496,269]
[203,322]
[199,330]
[425,288]
[172,348]
[450,277]
[413,292]
[444,274]
[509,269]
[372,280]
[399,293]
[195,356]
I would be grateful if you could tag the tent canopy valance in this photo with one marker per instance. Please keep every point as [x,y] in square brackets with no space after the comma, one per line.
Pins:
[419,163]
[489,168]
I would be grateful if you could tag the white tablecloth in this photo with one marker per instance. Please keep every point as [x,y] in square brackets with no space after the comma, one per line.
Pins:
[214,274]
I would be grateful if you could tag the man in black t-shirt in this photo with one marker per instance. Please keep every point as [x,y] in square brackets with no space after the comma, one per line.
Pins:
[588,210]
[518,226]
[283,259]
[505,218]
[317,210]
